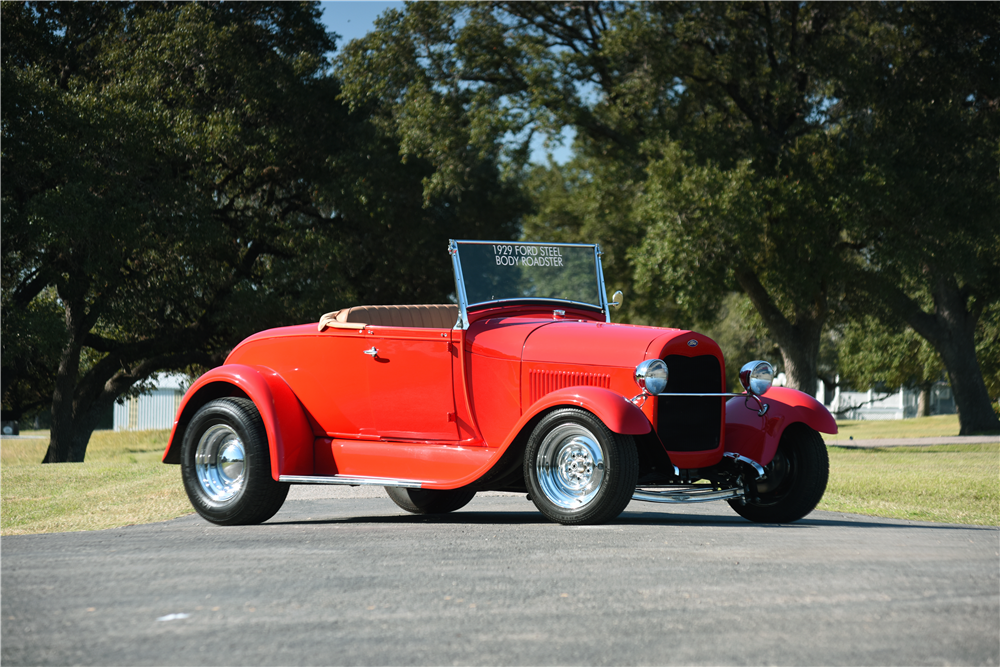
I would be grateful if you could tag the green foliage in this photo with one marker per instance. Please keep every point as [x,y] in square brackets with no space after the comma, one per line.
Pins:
[778,150]
[158,162]
[179,175]
[741,334]
[872,354]
[920,121]
[590,201]
[700,140]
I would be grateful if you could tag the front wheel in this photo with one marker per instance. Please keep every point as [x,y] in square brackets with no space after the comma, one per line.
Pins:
[226,464]
[430,501]
[795,479]
[577,470]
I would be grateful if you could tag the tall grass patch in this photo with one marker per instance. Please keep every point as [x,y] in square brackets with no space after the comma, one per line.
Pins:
[946,483]
[121,482]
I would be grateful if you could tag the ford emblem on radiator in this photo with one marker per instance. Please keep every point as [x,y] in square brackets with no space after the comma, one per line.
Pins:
[692,343]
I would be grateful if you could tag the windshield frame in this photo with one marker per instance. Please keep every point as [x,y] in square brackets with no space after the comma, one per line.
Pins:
[464,307]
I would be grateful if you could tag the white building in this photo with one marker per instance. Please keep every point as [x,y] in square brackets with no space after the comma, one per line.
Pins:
[874,405]
[155,410]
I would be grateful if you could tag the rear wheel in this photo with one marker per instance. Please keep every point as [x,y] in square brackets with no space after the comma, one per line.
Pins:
[430,501]
[795,479]
[577,470]
[226,464]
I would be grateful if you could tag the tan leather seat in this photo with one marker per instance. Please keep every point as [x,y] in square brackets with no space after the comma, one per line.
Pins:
[423,317]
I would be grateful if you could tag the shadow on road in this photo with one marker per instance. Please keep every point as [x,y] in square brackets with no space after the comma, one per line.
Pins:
[626,519]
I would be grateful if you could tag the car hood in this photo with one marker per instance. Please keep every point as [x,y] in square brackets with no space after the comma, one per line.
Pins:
[566,341]
[594,343]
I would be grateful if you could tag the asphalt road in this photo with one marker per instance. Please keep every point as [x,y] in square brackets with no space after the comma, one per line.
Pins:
[353,580]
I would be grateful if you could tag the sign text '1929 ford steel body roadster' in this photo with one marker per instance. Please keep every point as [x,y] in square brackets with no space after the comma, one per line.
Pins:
[523,385]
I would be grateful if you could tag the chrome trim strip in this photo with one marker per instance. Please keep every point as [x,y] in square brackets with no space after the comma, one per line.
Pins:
[346,480]
[687,494]
[747,396]
[538,243]
[535,299]
[718,395]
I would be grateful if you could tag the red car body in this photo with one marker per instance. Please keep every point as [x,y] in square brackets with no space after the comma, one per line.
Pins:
[444,407]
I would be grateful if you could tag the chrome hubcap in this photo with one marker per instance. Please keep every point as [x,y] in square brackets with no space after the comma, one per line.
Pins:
[570,466]
[220,462]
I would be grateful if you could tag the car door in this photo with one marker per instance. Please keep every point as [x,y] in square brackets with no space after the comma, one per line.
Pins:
[410,380]
[330,379]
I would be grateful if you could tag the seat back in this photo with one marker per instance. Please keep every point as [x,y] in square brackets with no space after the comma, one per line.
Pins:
[430,316]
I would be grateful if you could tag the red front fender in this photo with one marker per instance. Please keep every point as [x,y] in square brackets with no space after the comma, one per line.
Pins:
[617,413]
[289,436]
[757,437]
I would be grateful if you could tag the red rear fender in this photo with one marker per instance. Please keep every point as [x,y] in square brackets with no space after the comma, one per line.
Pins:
[757,437]
[289,436]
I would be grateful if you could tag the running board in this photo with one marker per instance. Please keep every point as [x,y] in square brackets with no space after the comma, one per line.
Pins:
[687,494]
[346,480]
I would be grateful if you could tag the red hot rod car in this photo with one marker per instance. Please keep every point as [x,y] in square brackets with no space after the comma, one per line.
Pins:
[523,385]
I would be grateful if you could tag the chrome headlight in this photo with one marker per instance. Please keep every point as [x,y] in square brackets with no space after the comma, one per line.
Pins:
[756,377]
[651,376]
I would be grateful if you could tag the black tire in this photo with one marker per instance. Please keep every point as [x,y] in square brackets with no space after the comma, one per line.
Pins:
[430,501]
[577,470]
[226,464]
[795,479]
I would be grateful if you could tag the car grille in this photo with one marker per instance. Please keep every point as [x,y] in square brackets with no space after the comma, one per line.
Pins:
[691,424]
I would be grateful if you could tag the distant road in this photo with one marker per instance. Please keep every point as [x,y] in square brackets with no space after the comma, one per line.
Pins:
[343,577]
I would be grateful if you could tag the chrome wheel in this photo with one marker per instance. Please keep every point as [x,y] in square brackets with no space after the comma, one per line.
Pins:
[226,464]
[570,466]
[220,462]
[577,470]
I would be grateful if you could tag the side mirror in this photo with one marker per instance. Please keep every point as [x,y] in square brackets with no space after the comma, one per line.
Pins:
[617,299]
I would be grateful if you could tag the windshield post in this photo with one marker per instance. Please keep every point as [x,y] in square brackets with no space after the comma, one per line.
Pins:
[600,280]
[463,313]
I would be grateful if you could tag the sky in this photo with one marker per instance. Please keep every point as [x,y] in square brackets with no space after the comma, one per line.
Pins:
[352,19]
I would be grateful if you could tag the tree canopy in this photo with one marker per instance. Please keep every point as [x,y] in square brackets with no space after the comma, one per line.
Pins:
[179,175]
[767,148]
[922,117]
[176,176]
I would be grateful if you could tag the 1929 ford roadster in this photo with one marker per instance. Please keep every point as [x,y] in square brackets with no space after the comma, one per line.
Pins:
[523,385]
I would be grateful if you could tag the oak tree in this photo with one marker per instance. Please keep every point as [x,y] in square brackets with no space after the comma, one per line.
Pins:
[177,176]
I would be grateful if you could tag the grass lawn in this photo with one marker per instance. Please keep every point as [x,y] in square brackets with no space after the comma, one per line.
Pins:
[923,427]
[122,481]
[944,483]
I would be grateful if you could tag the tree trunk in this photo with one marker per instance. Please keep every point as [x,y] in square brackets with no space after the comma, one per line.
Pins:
[950,329]
[972,400]
[800,360]
[799,341]
[61,434]
[81,399]
[924,400]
